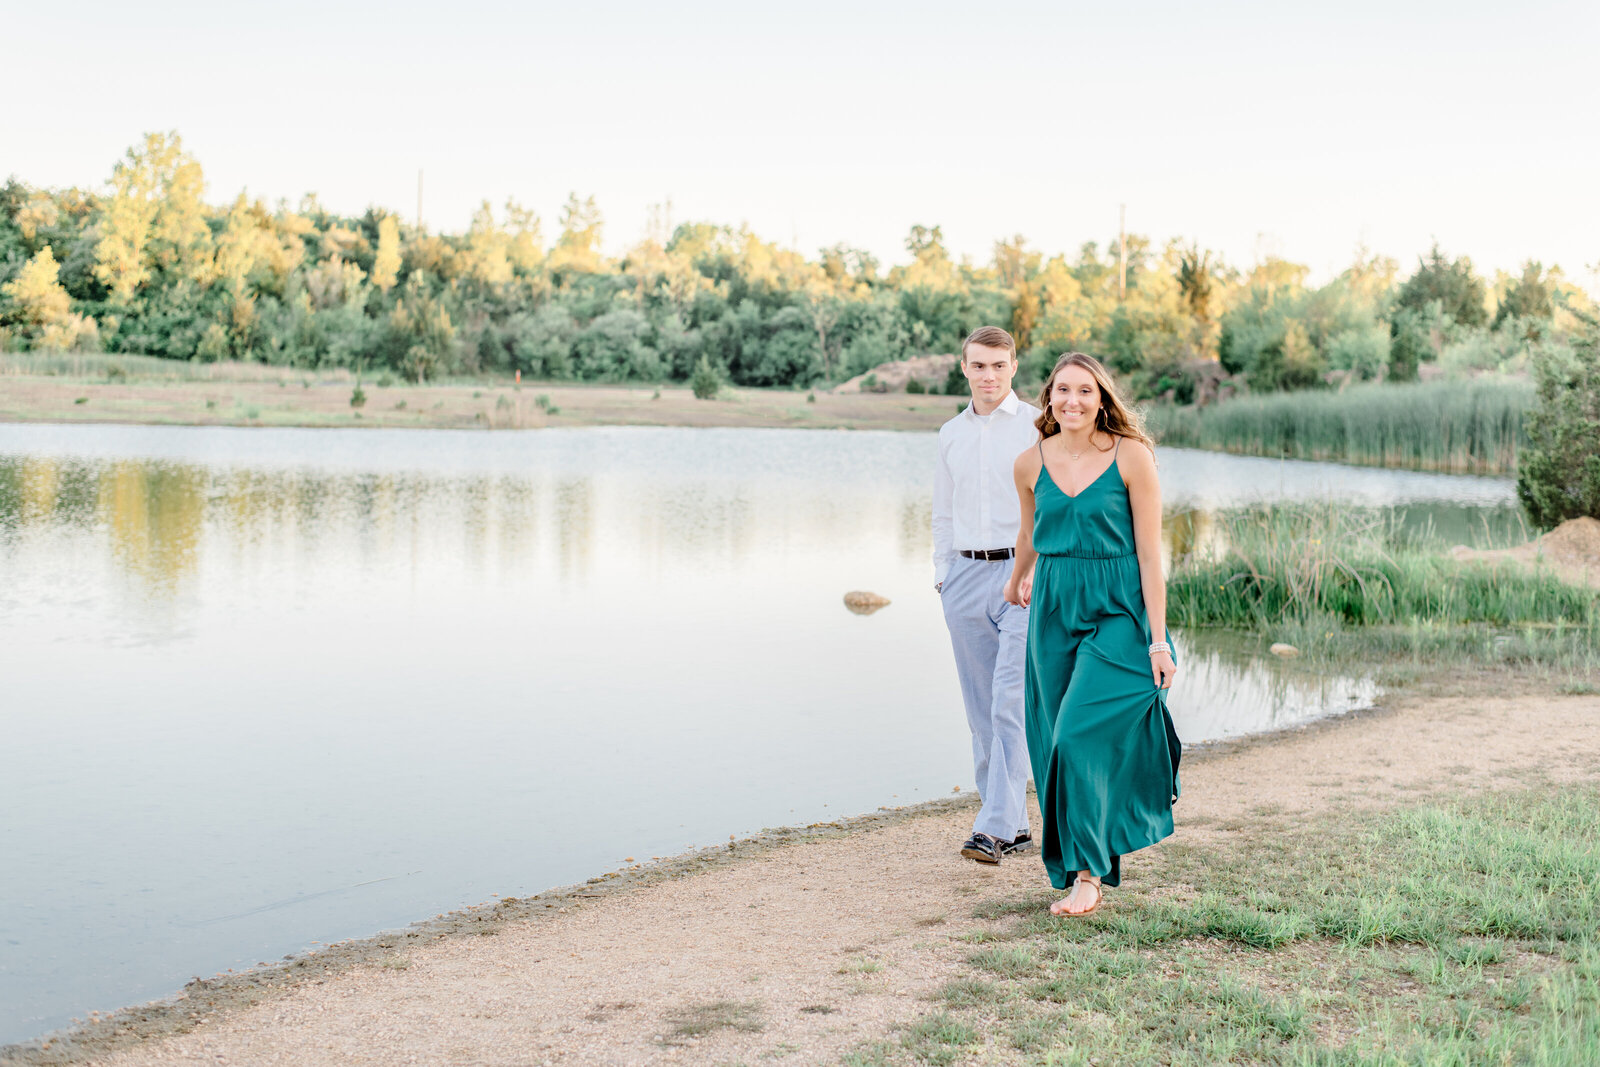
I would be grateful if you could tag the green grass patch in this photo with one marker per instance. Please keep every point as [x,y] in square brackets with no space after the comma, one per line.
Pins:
[1460,932]
[1352,583]
[1471,426]
[697,1020]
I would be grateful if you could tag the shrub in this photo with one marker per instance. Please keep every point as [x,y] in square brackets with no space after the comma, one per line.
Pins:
[358,399]
[1363,350]
[955,383]
[706,381]
[1559,476]
[914,385]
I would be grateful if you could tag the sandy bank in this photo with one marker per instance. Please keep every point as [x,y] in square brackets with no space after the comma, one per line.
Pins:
[799,944]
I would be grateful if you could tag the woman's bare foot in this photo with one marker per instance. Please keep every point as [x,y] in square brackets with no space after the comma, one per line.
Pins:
[1084,897]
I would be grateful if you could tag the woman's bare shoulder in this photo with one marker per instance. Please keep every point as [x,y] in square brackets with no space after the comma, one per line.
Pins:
[1135,458]
[1132,446]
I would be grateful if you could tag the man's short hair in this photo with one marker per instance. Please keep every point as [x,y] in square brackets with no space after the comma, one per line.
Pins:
[989,337]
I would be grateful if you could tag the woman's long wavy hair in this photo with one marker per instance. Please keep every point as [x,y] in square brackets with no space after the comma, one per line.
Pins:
[1114,417]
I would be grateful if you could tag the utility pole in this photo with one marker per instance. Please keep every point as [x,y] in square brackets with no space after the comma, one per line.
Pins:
[1122,252]
[419,199]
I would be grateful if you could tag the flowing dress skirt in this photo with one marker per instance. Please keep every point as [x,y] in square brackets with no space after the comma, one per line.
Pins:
[1104,752]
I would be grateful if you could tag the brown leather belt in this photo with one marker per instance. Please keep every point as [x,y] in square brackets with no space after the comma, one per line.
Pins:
[993,555]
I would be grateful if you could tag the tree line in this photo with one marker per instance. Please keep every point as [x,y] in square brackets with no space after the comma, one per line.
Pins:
[145,264]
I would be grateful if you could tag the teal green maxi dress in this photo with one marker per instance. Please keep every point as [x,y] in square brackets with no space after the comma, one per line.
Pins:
[1104,752]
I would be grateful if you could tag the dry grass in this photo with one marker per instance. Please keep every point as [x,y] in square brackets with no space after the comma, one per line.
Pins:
[283,397]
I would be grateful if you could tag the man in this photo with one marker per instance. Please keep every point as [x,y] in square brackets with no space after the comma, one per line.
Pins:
[975,520]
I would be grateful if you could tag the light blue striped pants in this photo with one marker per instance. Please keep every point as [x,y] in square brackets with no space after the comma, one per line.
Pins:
[990,639]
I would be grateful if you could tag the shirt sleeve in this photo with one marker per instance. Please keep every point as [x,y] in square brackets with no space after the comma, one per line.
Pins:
[944,490]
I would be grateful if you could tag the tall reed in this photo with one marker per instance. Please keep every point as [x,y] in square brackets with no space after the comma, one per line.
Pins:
[1458,426]
[125,366]
[1284,564]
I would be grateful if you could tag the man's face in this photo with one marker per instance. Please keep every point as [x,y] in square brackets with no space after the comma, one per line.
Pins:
[989,371]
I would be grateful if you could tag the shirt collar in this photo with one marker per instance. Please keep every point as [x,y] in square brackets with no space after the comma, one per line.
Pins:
[1008,404]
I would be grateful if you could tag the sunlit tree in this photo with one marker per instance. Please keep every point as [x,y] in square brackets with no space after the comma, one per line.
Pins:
[578,247]
[386,264]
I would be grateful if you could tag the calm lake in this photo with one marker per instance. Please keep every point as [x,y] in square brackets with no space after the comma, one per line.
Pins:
[264,689]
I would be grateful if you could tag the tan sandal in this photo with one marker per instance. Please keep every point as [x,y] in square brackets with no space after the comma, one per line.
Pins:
[1099,895]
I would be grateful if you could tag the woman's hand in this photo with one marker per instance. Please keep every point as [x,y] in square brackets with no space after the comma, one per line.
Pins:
[1019,589]
[1163,669]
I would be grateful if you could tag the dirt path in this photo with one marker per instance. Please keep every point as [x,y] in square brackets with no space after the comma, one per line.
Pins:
[806,950]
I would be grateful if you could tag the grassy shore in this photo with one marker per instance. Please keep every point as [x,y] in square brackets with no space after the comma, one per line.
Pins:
[1470,427]
[1454,932]
[141,389]
[1355,585]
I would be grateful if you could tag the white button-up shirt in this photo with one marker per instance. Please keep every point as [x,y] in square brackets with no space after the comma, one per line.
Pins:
[975,502]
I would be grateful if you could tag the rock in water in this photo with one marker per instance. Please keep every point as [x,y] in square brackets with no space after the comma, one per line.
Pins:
[1286,651]
[863,603]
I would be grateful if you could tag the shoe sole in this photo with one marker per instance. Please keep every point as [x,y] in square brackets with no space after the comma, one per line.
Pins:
[981,857]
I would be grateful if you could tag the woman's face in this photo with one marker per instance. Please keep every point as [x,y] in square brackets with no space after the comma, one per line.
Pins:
[1074,398]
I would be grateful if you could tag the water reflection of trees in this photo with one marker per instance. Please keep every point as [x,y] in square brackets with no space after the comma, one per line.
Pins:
[158,517]
[154,514]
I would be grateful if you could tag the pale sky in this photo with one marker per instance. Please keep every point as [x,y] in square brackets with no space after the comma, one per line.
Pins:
[1252,128]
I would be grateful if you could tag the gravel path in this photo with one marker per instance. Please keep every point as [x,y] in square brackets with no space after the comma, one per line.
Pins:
[804,951]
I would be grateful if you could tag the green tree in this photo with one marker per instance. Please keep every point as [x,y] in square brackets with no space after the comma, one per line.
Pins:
[1451,283]
[707,380]
[1410,343]
[1196,282]
[1558,474]
[1528,301]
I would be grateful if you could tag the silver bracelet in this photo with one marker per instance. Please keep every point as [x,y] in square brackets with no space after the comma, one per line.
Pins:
[1161,646]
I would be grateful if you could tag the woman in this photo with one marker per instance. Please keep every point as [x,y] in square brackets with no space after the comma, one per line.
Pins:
[1104,753]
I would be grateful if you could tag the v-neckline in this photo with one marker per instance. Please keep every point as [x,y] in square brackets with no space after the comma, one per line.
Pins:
[1045,469]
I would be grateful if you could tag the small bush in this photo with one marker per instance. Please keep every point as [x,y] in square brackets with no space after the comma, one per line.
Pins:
[501,403]
[706,381]
[115,372]
[915,385]
[252,413]
[358,399]
[385,380]
[811,398]
[542,401]
[400,406]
